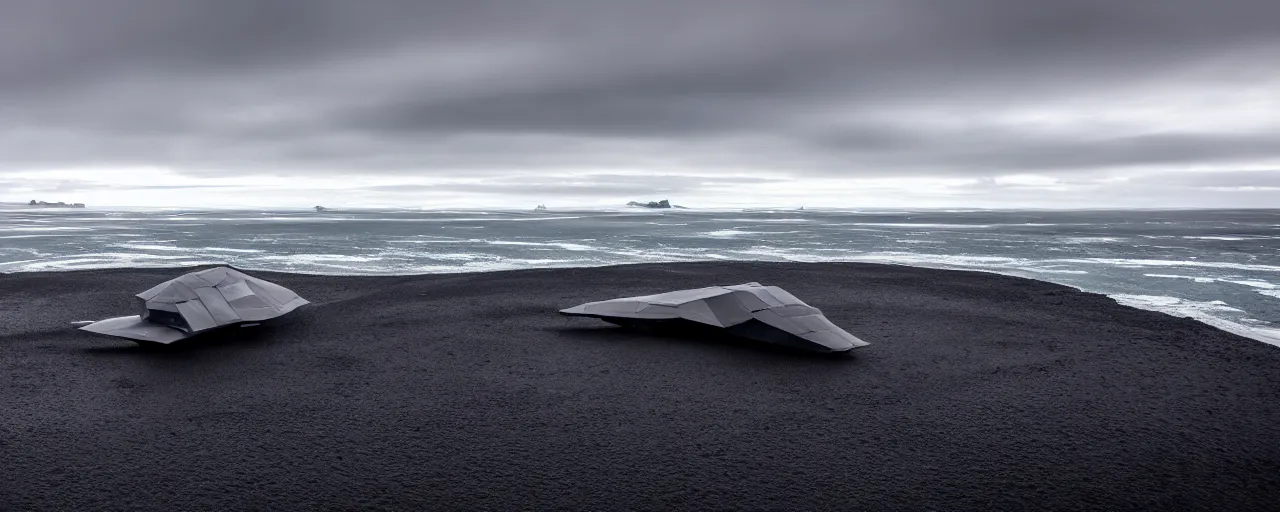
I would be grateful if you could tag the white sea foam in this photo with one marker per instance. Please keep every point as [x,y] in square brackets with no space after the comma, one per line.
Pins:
[438,240]
[727,233]
[1054,271]
[1197,279]
[229,249]
[106,260]
[1208,312]
[181,218]
[917,225]
[765,220]
[1173,304]
[948,260]
[50,235]
[1089,239]
[1252,283]
[568,246]
[509,219]
[1121,262]
[783,254]
[46,228]
[451,256]
[148,247]
[294,259]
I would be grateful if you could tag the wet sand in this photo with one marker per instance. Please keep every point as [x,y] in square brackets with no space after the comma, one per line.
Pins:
[468,391]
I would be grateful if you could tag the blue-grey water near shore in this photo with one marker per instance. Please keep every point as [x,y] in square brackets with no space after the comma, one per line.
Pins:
[1219,266]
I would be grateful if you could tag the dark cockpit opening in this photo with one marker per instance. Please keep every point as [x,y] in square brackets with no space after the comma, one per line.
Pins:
[168,318]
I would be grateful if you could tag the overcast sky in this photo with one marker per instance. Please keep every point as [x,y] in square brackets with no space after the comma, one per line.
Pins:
[984,103]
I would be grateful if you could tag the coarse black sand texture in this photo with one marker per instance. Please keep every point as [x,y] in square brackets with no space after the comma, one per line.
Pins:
[469,391]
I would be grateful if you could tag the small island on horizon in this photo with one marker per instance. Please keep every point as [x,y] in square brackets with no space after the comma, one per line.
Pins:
[58,204]
[654,204]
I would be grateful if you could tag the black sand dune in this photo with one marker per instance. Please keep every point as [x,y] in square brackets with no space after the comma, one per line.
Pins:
[978,392]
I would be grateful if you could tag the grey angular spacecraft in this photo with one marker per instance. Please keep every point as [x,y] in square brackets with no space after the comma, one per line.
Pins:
[753,311]
[199,302]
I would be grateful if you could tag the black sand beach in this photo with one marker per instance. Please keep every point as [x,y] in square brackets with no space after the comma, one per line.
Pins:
[469,392]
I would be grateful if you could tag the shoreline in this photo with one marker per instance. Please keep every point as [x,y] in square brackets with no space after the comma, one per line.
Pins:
[1270,336]
[978,391]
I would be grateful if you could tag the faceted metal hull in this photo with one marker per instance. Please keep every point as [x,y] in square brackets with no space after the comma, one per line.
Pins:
[199,302]
[762,313]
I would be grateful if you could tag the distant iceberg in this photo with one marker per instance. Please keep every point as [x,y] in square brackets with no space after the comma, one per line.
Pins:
[654,204]
[58,204]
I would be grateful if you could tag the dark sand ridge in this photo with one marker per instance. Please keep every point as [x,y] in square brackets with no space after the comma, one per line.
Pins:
[468,391]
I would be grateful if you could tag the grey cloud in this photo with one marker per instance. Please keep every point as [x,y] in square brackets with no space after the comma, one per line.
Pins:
[64,185]
[633,186]
[487,88]
[1261,178]
[1006,149]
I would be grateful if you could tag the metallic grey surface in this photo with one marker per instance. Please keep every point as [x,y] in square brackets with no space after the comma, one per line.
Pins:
[135,328]
[202,301]
[764,313]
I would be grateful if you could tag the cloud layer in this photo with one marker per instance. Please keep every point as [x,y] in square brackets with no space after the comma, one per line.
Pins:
[592,101]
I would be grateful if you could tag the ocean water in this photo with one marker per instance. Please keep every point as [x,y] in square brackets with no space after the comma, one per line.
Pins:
[1220,266]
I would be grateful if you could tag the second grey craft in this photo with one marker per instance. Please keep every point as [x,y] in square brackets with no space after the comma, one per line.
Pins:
[753,311]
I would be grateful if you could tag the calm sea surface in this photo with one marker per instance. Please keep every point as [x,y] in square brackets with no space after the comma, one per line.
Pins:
[1221,267]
